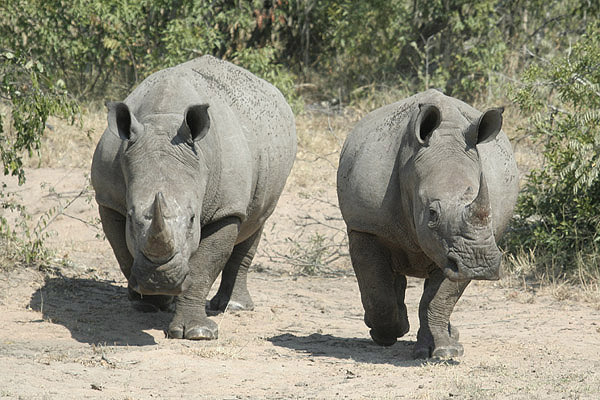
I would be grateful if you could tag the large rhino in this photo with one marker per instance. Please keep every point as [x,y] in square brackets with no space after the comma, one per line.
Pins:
[190,167]
[426,187]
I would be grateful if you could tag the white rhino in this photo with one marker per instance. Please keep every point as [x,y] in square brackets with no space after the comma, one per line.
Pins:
[190,167]
[426,187]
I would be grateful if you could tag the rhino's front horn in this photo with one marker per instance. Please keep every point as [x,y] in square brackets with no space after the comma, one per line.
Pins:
[160,244]
[479,211]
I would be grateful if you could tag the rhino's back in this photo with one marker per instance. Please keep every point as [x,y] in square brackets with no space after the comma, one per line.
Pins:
[267,123]
[367,182]
[255,102]
[369,189]
[265,119]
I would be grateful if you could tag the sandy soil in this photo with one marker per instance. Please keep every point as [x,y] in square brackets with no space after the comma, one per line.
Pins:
[70,332]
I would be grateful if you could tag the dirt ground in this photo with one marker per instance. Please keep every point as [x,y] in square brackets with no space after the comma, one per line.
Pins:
[71,332]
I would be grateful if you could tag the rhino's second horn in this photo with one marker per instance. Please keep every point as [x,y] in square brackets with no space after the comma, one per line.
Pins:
[479,211]
[160,245]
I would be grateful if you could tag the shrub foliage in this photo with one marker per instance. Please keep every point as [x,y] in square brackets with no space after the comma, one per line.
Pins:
[559,208]
[101,48]
[30,97]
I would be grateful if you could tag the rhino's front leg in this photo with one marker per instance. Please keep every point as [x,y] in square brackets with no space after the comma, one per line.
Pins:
[233,292]
[190,320]
[381,292]
[436,337]
[113,225]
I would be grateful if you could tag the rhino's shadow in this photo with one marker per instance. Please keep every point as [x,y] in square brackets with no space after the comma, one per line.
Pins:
[357,349]
[96,312]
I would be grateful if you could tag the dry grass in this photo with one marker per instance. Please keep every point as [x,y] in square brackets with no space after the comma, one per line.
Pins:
[321,135]
[222,349]
[69,146]
[524,273]
[318,243]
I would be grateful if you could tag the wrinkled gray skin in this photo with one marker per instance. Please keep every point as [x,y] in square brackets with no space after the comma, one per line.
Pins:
[190,167]
[426,187]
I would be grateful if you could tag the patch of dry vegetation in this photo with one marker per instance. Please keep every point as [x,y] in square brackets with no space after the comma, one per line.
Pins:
[524,275]
[321,135]
[315,242]
[69,146]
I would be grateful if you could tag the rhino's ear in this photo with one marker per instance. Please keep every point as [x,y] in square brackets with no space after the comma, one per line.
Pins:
[196,122]
[122,122]
[428,119]
[489,124]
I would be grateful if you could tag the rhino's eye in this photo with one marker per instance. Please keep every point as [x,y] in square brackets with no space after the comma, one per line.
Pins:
[190,227]
[434,215]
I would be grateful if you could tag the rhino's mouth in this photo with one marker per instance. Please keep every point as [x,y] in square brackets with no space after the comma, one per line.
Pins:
[456,270]
[151,289]
[163,279]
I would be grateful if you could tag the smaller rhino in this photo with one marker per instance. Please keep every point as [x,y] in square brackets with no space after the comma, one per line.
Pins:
[426,187]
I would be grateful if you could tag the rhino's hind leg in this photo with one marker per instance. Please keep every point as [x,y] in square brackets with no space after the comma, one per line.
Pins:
[382,292]
[233,292]
[190,320]
[400,288]
[437,337]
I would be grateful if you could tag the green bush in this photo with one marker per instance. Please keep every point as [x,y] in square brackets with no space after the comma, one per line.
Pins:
[102,48]
[28,96]
[558,212]
[467,49]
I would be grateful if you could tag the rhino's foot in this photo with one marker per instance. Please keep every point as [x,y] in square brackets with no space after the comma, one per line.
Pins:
[448,352]
[402,327]
[220,303]
[442,352]
[200,329]
[151,303]
[387,336]
[382,340]
[445,347]
[453,331]
[421,351]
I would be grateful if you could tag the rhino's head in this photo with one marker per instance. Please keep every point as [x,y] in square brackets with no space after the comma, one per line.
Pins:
[450,201]
[165,179]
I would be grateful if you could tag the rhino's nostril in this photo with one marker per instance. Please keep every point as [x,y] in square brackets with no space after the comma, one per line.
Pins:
[452,264]
[451,269]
